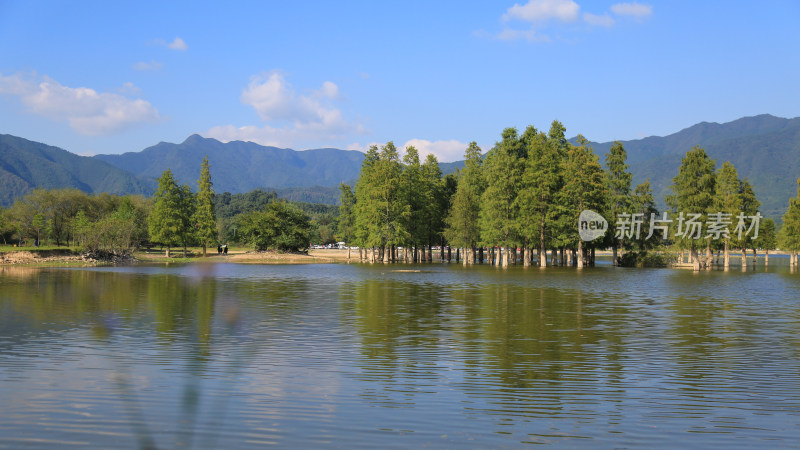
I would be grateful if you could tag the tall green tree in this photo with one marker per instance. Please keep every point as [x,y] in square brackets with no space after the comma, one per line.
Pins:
[542,180]
[415,195]
[618,182]
[789,235]
[728,202]
[432,193]
[205,214]
[347,216]
[585,188]
[643,202]
[462,227]
[503,171]
[750,205]
[169,222]
[367,213]
[767,238]
[694,193]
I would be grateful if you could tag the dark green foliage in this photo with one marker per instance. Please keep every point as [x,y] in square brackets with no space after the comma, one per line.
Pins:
[279,226]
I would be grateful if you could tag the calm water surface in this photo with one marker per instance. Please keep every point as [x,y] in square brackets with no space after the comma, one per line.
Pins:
[225,355]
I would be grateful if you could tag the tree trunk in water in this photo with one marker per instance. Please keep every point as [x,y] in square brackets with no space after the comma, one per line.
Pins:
[541,257]
[580,253]
[204,250]
[168,251]
[458,254]
[726,262]
[348,253]
[744,259]
[766,257]
[695,259]
[614,255]
[507,257]
[526,257]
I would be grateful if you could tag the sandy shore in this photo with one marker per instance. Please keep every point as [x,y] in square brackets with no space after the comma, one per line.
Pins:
[251,257]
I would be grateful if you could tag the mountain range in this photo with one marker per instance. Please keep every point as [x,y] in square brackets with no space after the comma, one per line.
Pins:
[764,148]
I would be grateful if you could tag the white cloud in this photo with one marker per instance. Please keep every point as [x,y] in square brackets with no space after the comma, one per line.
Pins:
[292,119]
[87,111]
[531,35]
[536,11]
[145,66]
[636,10]
[445,151]
[177,44]
[601,20]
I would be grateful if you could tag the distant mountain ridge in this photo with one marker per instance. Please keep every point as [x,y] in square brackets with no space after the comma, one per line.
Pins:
[26,165]
[242,166]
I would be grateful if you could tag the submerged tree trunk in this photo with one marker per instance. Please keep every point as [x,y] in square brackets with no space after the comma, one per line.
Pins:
[580,253]
[614,255]
[726,263]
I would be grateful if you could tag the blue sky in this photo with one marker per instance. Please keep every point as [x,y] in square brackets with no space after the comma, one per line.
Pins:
[110,77]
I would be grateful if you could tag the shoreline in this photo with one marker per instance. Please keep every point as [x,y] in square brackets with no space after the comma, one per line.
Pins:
[71,258]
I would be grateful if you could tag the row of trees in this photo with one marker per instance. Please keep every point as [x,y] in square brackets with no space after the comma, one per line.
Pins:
[527,193]
[174,216]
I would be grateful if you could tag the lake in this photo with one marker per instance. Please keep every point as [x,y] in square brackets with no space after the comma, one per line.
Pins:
[337,355]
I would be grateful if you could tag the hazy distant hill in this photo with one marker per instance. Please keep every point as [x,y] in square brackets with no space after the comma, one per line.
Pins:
[764,148]
[242,166]
[27,165]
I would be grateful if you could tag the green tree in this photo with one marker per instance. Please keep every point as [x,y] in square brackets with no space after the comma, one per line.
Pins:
[347,216]
[39,222]
[750,205]
[789,235]
[618,182]
[169,221]
[542,180]
[414,194]
[462,228]
[728,201]
[503,171]
[694,193]
[205,216]
[279,226]
[585,188]
[432,192]
[643,202]
[767,238]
